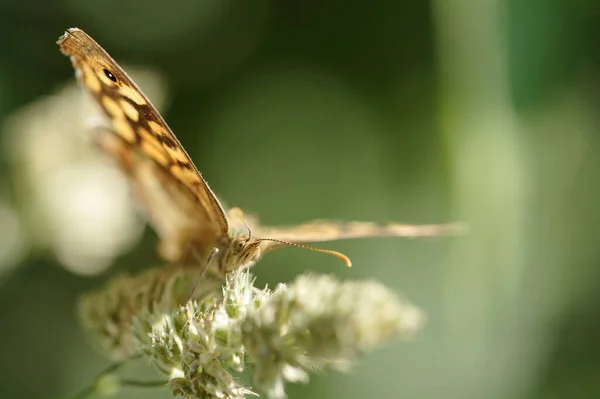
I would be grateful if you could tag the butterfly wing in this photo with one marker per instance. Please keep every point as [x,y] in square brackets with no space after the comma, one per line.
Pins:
[326,230]
[146,148]
[171,210]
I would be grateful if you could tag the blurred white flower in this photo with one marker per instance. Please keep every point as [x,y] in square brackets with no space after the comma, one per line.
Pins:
[13,246]
[72,199]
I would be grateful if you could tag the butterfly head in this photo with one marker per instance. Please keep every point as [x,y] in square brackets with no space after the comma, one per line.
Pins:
[241,251]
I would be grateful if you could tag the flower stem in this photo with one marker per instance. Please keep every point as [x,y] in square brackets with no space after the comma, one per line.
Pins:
[92,387]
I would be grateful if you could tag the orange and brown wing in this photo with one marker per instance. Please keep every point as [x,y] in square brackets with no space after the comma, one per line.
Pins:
[170,208]
[141,128]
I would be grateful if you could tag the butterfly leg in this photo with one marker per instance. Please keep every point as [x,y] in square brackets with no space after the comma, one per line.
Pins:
[203,270]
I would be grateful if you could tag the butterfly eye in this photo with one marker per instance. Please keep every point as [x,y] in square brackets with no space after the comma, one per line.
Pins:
[239,245]
[110,75]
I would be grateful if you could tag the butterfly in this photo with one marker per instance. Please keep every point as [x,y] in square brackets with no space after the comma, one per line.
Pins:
[190,221]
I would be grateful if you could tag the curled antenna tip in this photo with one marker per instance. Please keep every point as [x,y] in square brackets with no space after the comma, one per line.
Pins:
[341,256]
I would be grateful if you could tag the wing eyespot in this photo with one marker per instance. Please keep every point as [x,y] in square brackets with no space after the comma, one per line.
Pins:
[110,75]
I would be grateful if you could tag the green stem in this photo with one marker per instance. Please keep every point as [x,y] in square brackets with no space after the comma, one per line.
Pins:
[91,388]
[144,384]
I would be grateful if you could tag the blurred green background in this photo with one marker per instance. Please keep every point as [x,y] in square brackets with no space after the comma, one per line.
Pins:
[421,112]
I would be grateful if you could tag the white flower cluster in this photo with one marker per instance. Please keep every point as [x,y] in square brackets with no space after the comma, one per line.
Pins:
[316,322]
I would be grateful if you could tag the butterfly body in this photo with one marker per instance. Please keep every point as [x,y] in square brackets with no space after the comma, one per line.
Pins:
[191,223]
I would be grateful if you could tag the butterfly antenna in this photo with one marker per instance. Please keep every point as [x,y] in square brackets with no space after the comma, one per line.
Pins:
[212,254]
[337,254]
[248,228]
